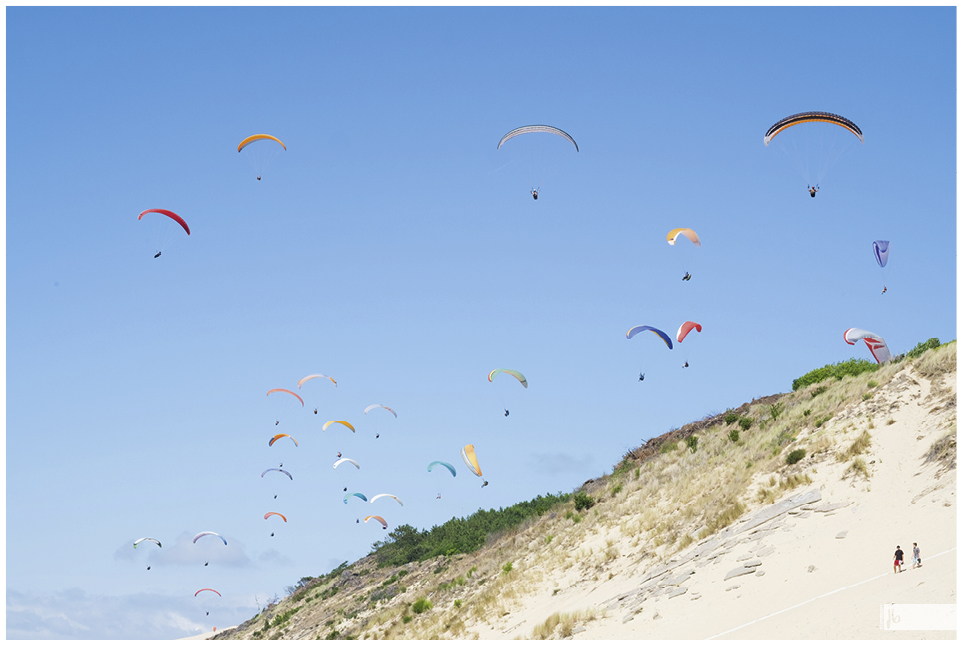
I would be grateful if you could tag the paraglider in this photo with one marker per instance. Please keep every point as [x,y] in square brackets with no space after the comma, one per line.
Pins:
[262,151]
[208,613]
[347,460]
[344,422]
[147,539]
[537,169]
[881,251]
[162,234]
[686,277]
[384,524]
[813,148]
[208,532]
[877,346]
[355,494]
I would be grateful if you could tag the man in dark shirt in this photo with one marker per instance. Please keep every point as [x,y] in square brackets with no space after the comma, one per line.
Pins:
[898,561]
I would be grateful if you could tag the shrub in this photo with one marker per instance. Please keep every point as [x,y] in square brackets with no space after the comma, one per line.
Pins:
[583,501]
[867,396]
[775,410]
[406,619]
[507,568]
[930,344]
[734,435]
[667,447]
[615,490]
[421,606]
[818,390]
[730,417]
[458,602]
[692,443]
[745,423]
[852,368]
[872,383]
[823,420]
[807,413]
[795,456]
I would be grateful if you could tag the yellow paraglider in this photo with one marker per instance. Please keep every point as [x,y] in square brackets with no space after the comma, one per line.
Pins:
[468,455]
[688,233]
[254,138]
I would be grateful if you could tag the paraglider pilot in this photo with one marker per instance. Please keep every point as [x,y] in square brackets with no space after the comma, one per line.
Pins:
[157,255]
[641,376]
[506,413]
[535,194]
[812,190]
[686,277]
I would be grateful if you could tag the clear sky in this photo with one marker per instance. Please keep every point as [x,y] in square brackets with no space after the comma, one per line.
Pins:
[392,247]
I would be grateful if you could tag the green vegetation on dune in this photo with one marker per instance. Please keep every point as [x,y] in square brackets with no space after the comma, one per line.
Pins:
[407,544]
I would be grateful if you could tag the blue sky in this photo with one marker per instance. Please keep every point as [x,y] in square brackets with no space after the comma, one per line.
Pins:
[392,247]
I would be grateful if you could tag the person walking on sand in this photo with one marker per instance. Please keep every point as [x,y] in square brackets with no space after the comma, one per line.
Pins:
[898,561]
[917,562]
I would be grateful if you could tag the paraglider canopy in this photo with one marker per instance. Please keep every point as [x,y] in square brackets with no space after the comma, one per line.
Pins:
[168,213]
[309,377]
[688,233]
[347,460]
[646,328]
[374,406]
[877,346]
[378,496]
[514,373]
[147,539]
[275,469]
[811,116]
[278,514]
[355,494]
[468,455]
[685,328]
[384,524]
[536,128]
[881,251]
[206,589]
[447,466]
[330,422]
[278,437]
[285,390]
[254,138]
[208,532]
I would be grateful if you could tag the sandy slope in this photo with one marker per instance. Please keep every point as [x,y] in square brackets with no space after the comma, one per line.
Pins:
[820,558]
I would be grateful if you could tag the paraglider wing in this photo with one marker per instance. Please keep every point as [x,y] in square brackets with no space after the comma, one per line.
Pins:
[374,406]
[309,377]
[278,514]
[384,524]
[275,469]
[645,328]
[285,390]
[443,464]
[877,346]
[347,460]
[685,328]
[254,138]
[330,422]
[279,436]
[688,233]
[514,373]
[811,116]
[468,455]
[147,539]
[536,128]
[170,214]
[200,535]
[881,250]
[355,494]
[378,496]
[205,589]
